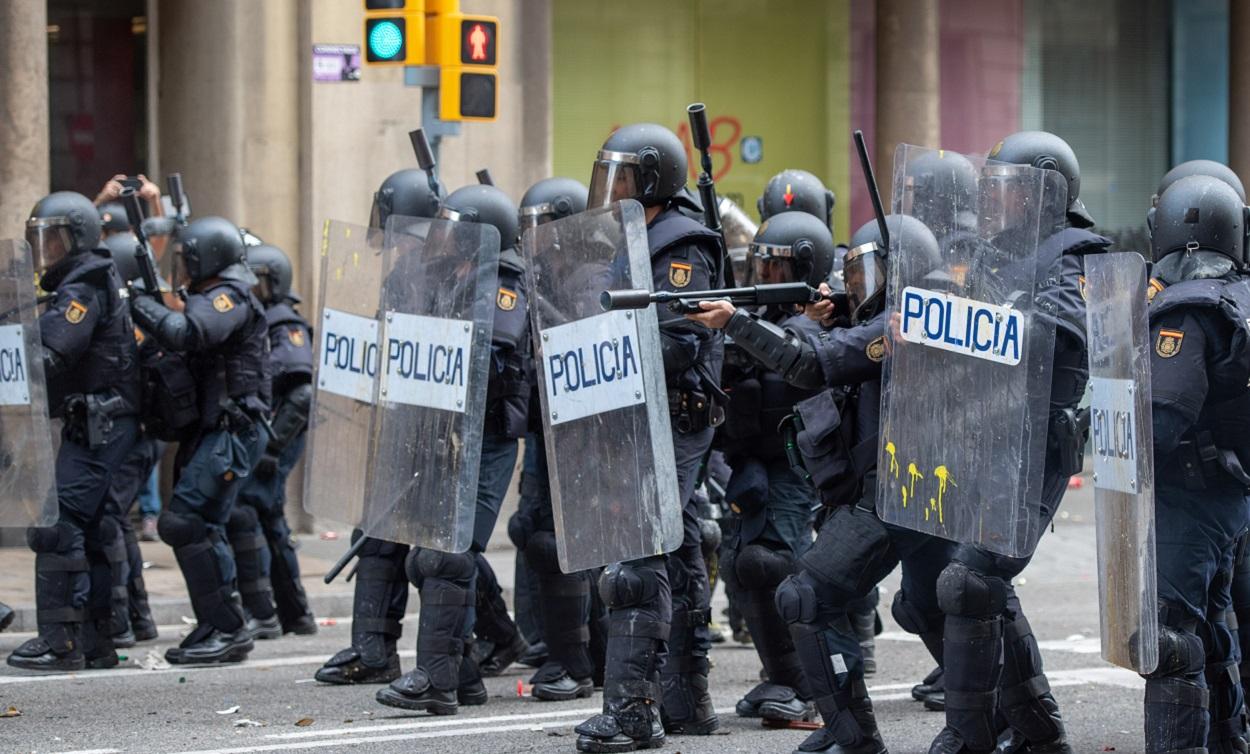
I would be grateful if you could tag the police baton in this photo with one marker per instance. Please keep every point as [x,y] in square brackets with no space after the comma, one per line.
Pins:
[873,193]
[352,552]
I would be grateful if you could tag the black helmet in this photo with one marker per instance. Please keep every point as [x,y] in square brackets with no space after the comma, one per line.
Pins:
[122,247]
[483,204]
[1199,214]
[940,190]
[406,193]
[865,265]
[790,247]
[551,199]
[1194,167]
[62,224]
[210,247]
[796,190]
[272,268]
[113,217]
[643,161]
[1044,150]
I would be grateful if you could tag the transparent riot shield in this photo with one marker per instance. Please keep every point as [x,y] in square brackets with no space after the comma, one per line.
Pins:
[439,288]
[1120,430]
[966,385]
[605,406]
[336,464]
[27,460]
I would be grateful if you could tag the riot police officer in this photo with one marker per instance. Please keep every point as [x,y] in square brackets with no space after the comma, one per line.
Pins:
[260,537]
[445,676]
[854,549]
[381,594]
[564,599]
[796,191]
[771,503]
[222,335]
[92,374]
[663,599]
[1201,410]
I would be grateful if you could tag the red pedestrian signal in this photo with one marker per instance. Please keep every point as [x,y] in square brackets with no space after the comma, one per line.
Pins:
[477,42]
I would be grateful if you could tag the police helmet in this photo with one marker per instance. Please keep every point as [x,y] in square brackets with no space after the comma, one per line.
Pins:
[865,264]
[940,190]
[643,161]
[273,272]
[797,190]
[406,193]
[122,248]
[113,218]
[478,203]
[1194,167]
[1044,150]
[551,199]
[1200,213]
[62,224]
[790,247]
[210,247]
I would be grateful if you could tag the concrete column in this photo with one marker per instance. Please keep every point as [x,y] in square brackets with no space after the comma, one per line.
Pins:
[24,146]
[908,77]
[1239,87]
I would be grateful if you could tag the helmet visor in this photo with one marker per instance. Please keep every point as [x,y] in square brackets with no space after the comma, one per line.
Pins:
[50,240]
[532,217]
[769,264]
[182,271]
[863,274]
[1007,193]
[265,283]
[378,214]
[614,178]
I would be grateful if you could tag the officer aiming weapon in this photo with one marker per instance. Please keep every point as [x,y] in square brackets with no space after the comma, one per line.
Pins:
[177,197]
[688,303]
[425,159]
[143,253]
[873,193]
[701,137]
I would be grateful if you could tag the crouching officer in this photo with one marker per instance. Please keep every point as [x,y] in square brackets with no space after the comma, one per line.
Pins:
[223,337]
[260,537]
[1201,420]
[92,372]
[381,595]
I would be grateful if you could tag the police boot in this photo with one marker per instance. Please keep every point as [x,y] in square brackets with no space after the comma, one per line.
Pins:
[221,637]
[251,553]
[141,622]
[120,629]
[58,645]
[974,661]
[1227,733]
[930,687]
[1025,701]
[785,696]
[98,649]
[381,597]
[6,616]
[288,591]
[627,724]
[493,623]
[565,606]
[864,622]
[687,708]
[471,692]
[850,727]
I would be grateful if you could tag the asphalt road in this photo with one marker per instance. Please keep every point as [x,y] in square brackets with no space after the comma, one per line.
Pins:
[258,706]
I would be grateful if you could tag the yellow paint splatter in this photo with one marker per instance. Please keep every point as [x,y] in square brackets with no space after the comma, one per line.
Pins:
[943,475]
[889,448]
[904,491]
[913,474]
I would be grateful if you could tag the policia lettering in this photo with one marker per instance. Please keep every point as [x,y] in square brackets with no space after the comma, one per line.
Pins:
[607,361]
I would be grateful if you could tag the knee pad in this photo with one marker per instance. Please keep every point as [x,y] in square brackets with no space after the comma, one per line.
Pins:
[625,585]
[966,593]
[709,537]
[520,529]
[104,535]
[180,529]
[242,520]
[541,552]
[1180,653]
[911,618]
[796,599]
[423,563]
[56,538]
[758,567]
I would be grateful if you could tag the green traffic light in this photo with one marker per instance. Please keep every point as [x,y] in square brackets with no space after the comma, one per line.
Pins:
[386,40]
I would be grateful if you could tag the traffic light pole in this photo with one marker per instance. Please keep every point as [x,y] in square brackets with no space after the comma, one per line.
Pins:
[427,77]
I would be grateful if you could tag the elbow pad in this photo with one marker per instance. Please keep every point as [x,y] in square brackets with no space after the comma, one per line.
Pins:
[170,328]
[777,349]
[291,418]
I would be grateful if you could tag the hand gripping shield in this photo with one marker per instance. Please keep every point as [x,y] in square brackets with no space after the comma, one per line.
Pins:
[27,460]
[439,284]
[966,385]
[1120,428]
[601,382]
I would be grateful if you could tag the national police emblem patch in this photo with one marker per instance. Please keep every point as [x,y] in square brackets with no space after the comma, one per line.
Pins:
[506,300]
[296,336]
[75,313]
[679,274]
[1168,343]
[875,350]
[223,303]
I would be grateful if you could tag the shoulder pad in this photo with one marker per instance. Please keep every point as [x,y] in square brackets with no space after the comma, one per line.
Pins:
[1080,241]
[509,259]
[282,314]
[672,228]
[1187,293]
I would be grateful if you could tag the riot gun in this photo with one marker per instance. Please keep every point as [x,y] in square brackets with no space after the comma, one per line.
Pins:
[688,302]
[143,252]
[425,159]
[177,197]
[701,137]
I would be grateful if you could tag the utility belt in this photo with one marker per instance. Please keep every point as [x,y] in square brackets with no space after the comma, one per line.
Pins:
[89,417]
[694,411]
[820,447]
[1200,464]
[1066,436]
[236,416]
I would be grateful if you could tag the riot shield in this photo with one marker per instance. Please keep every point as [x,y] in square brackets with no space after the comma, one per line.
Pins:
[605,407]
[1120,428]
[336,465]
[966,386]
[27,460]
[439,288]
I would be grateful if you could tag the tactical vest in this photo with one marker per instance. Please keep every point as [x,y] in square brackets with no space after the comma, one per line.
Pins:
[671,231]
[290,347]
[238,368]
[511,381]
